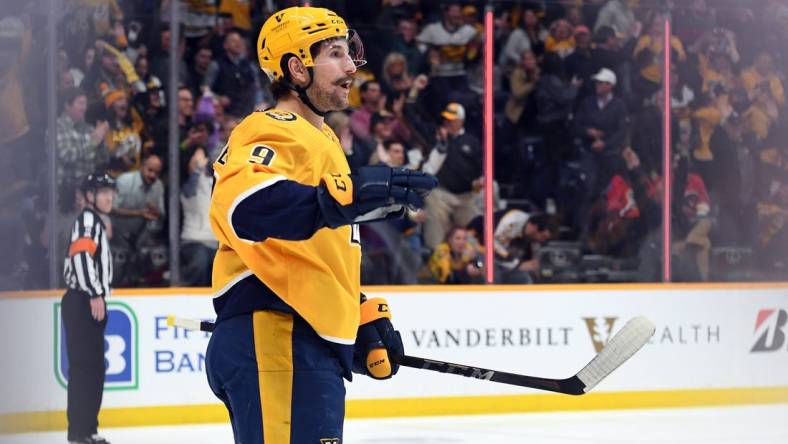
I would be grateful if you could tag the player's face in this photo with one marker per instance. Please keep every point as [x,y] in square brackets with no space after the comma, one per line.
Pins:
[103,197]
[334,71]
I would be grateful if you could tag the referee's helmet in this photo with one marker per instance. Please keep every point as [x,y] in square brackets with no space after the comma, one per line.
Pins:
[93,182]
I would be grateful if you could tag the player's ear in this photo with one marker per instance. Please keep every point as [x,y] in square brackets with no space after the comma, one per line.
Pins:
[298,72]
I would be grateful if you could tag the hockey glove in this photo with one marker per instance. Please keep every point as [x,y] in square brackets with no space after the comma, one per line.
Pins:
[378,346]
[373,193]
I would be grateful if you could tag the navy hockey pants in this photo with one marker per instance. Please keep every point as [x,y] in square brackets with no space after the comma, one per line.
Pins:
[280,381]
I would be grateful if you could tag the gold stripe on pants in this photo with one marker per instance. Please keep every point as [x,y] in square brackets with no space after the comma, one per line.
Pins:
[273,344]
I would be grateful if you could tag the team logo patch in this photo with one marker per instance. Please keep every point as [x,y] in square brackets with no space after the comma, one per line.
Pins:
[330,441]
[282,116]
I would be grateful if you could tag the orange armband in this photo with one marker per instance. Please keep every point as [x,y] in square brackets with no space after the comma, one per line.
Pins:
[83,244]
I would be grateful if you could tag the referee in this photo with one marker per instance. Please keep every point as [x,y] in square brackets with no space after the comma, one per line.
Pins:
[88,273]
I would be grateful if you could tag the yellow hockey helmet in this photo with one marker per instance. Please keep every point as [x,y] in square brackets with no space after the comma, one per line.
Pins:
[293,31]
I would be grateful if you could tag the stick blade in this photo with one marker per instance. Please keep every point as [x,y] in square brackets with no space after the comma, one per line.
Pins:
[621,347]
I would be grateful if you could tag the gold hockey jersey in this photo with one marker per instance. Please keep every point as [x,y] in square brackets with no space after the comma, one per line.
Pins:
[317,276]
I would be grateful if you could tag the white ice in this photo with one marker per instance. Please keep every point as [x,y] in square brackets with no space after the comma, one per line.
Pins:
[721,425]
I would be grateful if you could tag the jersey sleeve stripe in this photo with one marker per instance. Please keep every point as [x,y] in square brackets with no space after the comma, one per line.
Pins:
[245,195]
[343,341]
[232,283]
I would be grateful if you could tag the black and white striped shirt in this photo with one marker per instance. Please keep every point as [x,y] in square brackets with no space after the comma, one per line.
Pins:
[88,263]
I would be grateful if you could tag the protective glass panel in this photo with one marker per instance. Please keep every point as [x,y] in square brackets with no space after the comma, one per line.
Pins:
[578,141]
[579,135]
[730,188]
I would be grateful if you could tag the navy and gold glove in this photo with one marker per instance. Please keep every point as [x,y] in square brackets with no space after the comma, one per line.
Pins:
[378,346]
[375,192]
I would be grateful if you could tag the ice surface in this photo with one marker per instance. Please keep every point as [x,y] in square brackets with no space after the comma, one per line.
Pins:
[724,425]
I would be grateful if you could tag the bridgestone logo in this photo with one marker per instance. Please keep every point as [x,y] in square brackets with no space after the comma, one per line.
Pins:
[772,326]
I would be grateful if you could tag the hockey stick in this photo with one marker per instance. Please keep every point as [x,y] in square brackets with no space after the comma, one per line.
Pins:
[619,348]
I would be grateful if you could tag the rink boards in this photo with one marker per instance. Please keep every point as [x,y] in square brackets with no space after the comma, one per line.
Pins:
[714,345]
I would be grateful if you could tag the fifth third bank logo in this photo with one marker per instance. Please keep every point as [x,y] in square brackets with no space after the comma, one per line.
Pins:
[771,324]
[600,329]
[120,348]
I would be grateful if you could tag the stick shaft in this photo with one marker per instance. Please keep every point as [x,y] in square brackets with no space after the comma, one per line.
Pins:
[620,348]
[571,386]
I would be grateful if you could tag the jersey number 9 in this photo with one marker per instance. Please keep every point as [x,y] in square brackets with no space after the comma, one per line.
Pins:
[262,155]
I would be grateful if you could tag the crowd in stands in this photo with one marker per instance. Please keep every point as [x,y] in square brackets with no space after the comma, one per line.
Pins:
[578,156]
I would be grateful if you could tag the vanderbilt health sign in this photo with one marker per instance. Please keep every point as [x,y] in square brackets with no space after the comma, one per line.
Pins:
[707,337]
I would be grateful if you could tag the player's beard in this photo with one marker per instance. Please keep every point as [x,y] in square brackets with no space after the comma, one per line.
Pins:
[328,99]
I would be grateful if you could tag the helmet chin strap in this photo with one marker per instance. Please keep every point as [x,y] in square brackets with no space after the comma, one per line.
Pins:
[92,205]
[301,91]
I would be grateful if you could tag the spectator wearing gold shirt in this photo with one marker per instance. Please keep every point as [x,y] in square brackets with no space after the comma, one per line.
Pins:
[763,113]
[457,260]
[561,39]
[706,119]
[649,56]
[763,73]
[123,140]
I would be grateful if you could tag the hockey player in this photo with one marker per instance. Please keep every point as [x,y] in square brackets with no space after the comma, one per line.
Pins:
[88,274]
[290,319]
